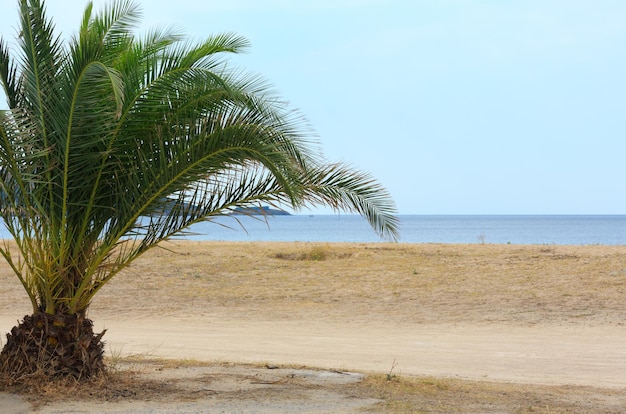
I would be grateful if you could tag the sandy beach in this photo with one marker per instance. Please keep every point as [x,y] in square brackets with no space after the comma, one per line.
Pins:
[518,316]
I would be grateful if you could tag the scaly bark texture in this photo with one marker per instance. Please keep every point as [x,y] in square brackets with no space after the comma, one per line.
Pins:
[53,346]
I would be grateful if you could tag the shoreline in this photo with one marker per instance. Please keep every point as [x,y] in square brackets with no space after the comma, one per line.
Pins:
[572,230]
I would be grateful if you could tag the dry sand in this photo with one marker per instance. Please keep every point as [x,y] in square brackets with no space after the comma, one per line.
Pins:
[520,316]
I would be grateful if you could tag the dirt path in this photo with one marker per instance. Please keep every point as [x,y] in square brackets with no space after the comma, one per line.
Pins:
[538,355]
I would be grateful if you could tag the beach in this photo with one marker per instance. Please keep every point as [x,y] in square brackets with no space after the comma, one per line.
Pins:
[526,317]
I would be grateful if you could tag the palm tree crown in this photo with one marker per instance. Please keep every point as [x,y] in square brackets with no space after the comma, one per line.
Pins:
[115,142]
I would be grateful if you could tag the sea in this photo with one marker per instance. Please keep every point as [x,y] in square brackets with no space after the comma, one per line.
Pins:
[494,229]
[479,229]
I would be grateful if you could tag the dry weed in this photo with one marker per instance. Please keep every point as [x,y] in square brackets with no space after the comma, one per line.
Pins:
[314,253]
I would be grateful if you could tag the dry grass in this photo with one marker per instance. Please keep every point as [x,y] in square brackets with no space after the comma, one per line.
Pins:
[115,385]
[422,283]
[436,395]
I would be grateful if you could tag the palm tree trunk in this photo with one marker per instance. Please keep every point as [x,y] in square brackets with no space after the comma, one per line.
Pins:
[51,346]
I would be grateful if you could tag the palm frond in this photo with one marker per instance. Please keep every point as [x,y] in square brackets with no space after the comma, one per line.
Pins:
[343,188]
[8,75]
[41,55]
[114,25]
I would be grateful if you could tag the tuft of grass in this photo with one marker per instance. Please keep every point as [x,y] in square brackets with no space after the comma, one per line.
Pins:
[390,374]
[316,253]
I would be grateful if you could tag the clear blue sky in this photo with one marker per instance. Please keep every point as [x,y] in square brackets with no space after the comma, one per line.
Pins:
[456,106]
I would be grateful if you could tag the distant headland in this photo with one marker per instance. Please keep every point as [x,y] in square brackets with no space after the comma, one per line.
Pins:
[261,210]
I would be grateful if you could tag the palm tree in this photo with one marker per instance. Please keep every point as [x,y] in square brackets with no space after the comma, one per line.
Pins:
[113,143]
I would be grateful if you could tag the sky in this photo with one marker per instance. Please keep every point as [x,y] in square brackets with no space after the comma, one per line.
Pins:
[455,106]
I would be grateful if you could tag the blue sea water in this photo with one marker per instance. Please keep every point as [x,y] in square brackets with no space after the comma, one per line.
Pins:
[497,229]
